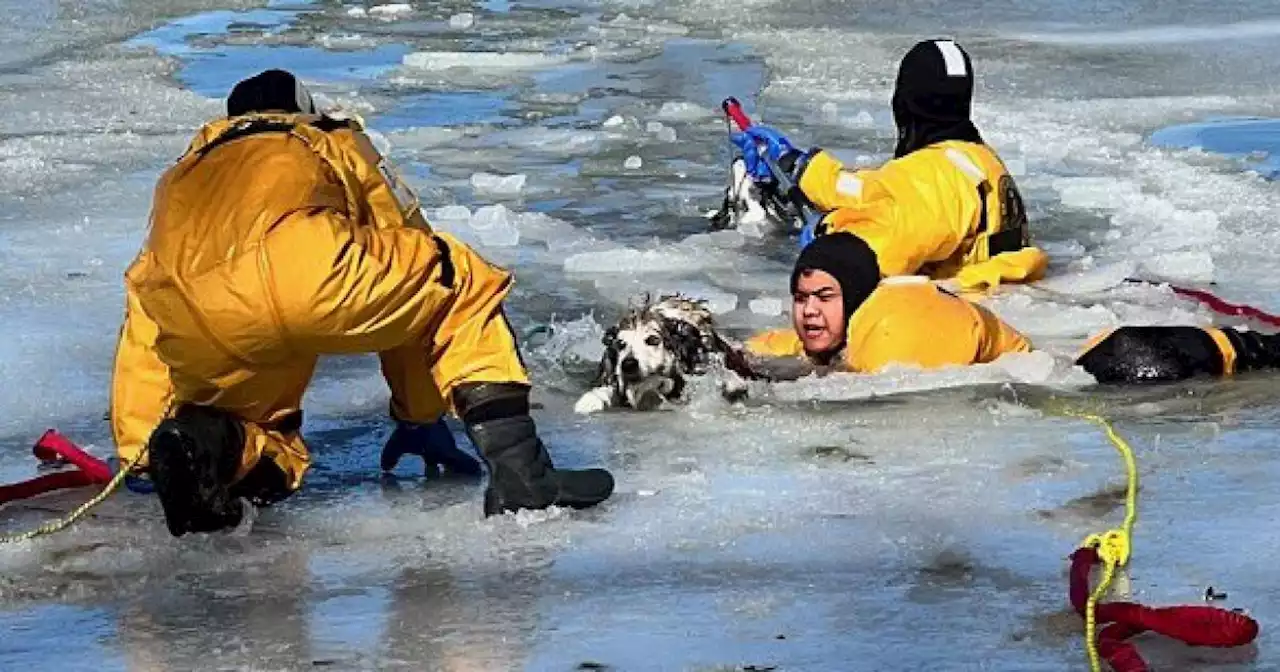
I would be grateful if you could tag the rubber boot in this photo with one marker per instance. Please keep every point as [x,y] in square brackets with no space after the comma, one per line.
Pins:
[194,456]
[521,475]
[1254,350]
[434,443]
[1153,354]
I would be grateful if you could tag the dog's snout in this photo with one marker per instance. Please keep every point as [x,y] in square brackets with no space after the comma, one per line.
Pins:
[629,366]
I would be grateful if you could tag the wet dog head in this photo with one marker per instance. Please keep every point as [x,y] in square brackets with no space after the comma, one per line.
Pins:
[651,350]
[754,204]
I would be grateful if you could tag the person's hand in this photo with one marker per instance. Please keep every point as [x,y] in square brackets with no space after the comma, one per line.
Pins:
[1025,265]
[757,140]
[434,443]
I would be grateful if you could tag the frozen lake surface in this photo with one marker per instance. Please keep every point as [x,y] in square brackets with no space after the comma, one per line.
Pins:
[903,521]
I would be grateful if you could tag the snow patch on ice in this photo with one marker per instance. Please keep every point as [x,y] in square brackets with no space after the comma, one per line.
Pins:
[480,60]
[498,185]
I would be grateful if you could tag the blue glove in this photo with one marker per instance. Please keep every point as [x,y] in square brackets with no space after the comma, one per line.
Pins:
[807,235]
[434,443]
[141,485]
[138,483]
[756,139]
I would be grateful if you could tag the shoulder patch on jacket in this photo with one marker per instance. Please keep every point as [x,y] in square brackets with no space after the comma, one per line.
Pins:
[1013,212]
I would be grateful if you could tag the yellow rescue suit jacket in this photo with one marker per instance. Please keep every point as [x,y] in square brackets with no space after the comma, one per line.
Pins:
[909,321]
[284,244]
[279,238]
[948,210]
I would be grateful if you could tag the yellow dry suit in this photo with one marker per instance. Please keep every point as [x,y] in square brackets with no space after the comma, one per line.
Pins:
[278,238]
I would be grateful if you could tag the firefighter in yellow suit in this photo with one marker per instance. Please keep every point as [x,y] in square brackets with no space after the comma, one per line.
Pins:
[280,236]
[945,206]
[845,317]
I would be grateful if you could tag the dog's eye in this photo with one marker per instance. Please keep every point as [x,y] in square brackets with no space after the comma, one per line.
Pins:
[653,341]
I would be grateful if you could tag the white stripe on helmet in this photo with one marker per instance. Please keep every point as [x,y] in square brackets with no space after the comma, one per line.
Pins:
[953,57]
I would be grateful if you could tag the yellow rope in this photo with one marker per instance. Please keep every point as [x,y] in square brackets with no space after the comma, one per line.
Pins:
[77,514]
[1113,546]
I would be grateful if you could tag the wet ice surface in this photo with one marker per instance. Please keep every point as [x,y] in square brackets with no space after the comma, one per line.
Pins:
[901,521]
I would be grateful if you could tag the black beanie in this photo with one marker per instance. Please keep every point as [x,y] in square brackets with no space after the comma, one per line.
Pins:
[933,97]
[849,260]
[269,90]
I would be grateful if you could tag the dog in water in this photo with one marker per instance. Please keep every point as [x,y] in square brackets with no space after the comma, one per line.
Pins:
[654,348]
[748,203]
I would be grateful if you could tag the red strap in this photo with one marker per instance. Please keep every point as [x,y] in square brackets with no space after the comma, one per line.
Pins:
[1223,307]
[42,484]
[1199,625]
[1191,624]
[1120,654]
[1082,562]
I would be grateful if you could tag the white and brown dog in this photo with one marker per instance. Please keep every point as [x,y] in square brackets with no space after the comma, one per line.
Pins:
[748,203]
[654,347]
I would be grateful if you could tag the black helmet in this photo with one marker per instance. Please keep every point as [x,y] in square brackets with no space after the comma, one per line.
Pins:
[270,90]
[933,97]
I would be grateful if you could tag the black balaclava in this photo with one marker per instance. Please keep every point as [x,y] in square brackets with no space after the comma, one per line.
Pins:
[269,90]
[849,260]
[933,96]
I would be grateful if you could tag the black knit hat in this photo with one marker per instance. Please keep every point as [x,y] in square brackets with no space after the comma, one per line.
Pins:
[270,90]
[933,97]
[849,260]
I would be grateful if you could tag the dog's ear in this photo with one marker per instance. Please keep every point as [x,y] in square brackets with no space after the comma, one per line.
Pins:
[609,359]
[607,370]
[683,340]
[677,386]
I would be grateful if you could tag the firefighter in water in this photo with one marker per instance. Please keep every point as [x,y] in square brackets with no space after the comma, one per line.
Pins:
[846,317]
[945,206]
[282,235]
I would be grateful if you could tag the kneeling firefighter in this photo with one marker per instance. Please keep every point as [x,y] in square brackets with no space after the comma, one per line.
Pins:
[944,206]
[280,236]
[846,317]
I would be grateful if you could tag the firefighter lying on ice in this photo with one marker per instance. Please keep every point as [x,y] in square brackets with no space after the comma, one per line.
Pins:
[846,317]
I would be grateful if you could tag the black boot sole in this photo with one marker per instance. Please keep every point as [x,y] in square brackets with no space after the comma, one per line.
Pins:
[187,484]
[175,481]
